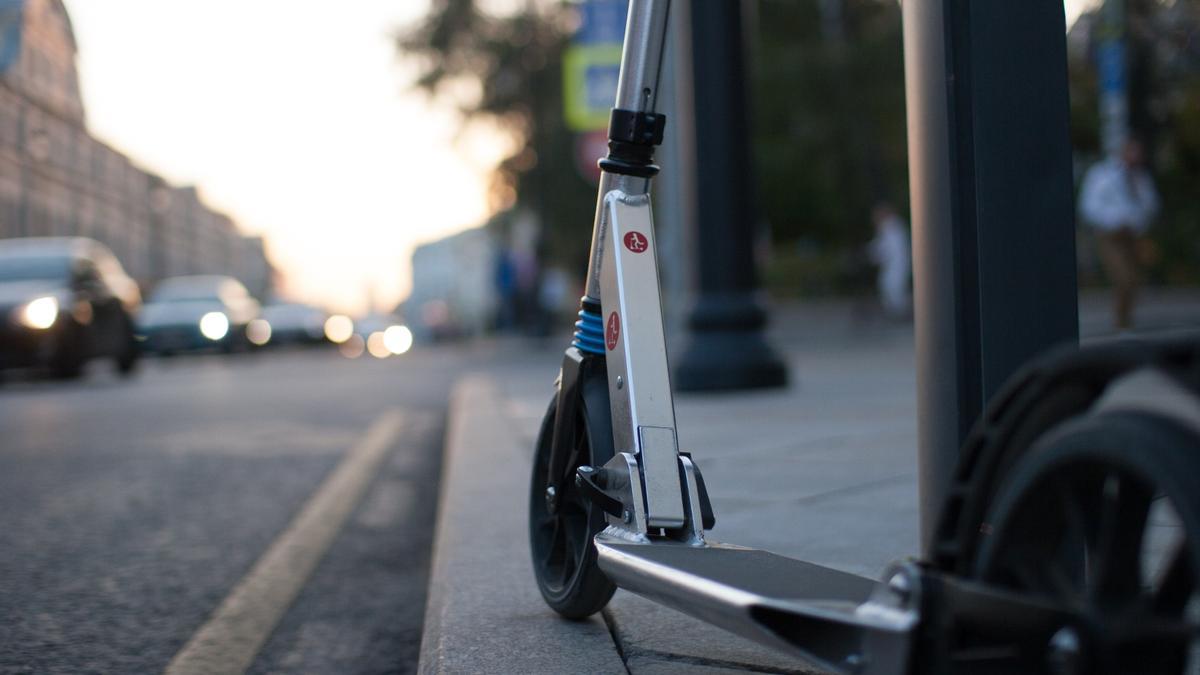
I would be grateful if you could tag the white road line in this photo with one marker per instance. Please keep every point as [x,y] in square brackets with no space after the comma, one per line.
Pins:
[232,636]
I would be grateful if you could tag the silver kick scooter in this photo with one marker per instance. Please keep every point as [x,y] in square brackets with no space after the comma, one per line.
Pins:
[1038,564]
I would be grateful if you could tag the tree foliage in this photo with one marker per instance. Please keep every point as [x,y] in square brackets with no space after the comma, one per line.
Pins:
[506,67]
[829,117]
[830,139]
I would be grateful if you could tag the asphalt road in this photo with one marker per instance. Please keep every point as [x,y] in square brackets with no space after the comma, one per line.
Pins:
[130,510]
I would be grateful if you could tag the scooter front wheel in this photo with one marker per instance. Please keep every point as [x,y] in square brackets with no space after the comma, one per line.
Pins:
[562,525]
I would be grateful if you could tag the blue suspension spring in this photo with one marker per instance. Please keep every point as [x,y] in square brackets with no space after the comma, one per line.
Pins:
[589,333]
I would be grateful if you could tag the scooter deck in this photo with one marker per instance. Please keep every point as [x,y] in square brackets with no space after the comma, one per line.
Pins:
[805,609]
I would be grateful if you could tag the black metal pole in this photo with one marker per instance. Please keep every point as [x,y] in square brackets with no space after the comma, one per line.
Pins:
[725,348]
[993,220]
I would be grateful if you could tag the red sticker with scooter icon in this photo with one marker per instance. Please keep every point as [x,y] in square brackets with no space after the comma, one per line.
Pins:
[612,331]
[636,241]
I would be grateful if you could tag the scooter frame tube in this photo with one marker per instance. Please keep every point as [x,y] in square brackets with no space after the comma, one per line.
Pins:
[637,90]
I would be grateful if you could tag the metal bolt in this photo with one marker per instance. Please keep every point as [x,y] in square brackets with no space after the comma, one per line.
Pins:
[582,471]
[551,497]
[620,382]
[899,585]
[627,516]
[1065,652]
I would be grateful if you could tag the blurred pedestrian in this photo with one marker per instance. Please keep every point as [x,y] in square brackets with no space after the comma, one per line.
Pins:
[1119,202]
[890,250]
[504,277]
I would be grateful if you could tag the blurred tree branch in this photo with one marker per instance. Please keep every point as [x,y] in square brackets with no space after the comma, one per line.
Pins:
[830,137]
[507,68]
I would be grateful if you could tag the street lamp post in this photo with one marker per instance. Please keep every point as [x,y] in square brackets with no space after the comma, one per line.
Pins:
[725,348]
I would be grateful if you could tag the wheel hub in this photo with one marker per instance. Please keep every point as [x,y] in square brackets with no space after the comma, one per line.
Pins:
[1064,654]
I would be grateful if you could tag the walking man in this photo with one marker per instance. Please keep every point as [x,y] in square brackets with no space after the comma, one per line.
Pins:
[1118,201]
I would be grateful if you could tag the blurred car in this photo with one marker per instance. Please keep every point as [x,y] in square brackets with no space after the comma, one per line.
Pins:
[195,313]
[63,301]
[292,323]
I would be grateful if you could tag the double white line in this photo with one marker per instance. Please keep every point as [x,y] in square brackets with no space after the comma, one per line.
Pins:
[233,635]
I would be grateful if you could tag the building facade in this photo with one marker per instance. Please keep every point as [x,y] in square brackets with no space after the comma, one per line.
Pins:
[452,285]
[57,180]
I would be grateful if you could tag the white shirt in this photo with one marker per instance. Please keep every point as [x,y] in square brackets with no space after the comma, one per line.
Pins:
[1114,196]
[890,249]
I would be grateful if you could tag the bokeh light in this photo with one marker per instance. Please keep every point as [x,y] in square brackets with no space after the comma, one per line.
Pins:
[398,339]
[214,325]
[339,328]
[352,347]
[258,332]
[40,313]
[377,346]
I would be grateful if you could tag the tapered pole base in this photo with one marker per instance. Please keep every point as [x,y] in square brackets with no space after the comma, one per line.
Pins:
[726,348]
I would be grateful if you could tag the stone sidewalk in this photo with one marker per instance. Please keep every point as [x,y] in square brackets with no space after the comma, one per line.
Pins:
[824,470]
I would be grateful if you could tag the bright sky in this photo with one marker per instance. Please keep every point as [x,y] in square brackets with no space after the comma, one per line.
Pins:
[295,117]
[1077,7]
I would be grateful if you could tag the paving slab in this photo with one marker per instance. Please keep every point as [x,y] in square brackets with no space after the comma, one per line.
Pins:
[656,639]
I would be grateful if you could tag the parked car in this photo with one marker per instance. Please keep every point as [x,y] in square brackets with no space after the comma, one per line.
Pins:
[63,301]
[195,313]
[294,323]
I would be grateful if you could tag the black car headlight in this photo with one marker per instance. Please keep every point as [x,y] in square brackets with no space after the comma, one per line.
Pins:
[40,313]
[214,325]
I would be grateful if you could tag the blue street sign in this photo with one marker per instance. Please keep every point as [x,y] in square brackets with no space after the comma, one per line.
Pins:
[601,22]
[1110,61]
[591,64]
[600,81]
[12,17]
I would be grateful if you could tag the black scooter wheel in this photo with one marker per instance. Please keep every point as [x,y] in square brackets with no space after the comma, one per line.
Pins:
[560,535]
[1102,517]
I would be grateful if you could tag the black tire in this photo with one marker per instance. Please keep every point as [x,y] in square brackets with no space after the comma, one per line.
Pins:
[564,555]
[1079,521]
[129,353]
[238,342]
[69,356]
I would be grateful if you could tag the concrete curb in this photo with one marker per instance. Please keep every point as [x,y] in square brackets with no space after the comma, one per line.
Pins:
[484,613]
